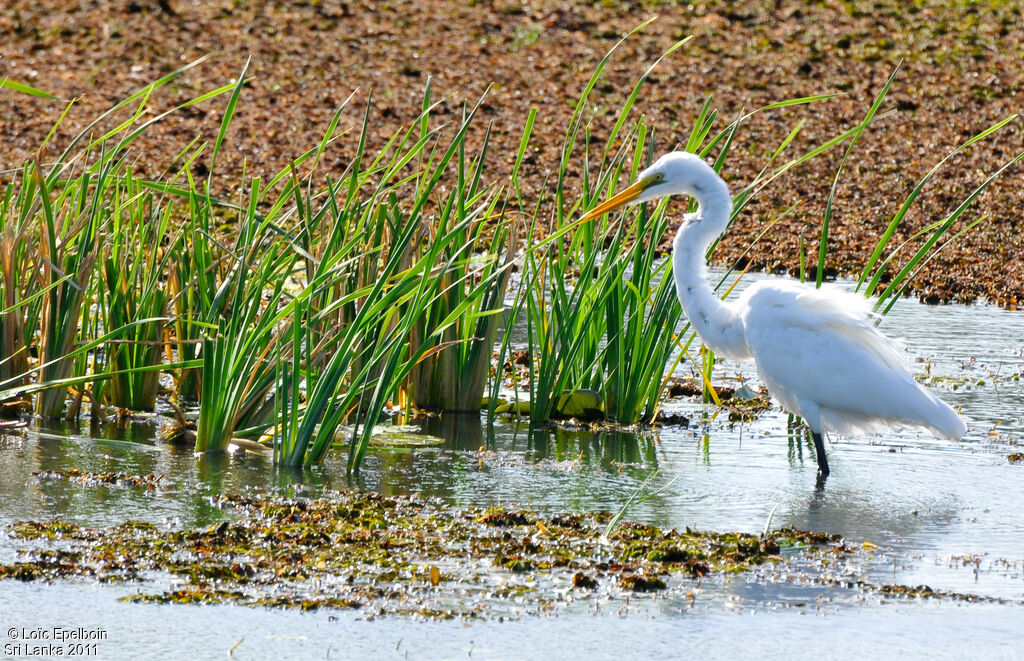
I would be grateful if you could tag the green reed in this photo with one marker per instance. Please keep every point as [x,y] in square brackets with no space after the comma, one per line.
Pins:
[20,294]
[134,262]
[69,246]
[238,371]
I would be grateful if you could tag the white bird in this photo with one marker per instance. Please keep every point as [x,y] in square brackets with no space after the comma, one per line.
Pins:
[816,350]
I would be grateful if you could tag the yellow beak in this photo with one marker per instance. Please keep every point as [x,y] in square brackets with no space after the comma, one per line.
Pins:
[621,198]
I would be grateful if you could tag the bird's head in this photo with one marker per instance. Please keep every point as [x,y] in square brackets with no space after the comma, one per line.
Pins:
[675,173]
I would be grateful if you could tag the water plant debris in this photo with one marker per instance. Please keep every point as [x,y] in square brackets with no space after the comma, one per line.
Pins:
[150,482]
[410,556]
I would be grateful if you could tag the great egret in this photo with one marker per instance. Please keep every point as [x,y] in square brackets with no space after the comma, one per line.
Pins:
[815,349]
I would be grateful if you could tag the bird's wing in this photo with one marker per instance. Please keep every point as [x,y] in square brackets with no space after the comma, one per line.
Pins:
[820,346]
[782,305]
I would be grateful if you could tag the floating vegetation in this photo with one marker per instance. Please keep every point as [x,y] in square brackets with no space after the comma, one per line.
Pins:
[746,410]
[689,388]
[150,482]
[414,556]
[397,437]
[923,591]
[390,555]
[582,404]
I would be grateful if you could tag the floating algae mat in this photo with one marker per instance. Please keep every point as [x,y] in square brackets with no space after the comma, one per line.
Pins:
[413,556]
[403,437]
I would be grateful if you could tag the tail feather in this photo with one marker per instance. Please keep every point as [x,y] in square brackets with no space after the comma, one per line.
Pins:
[942,420]
[926,411]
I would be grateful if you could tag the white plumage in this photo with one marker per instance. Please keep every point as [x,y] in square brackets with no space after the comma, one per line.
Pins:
[816,350]
[821,357]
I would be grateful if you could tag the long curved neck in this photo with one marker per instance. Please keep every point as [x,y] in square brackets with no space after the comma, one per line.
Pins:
[717,323]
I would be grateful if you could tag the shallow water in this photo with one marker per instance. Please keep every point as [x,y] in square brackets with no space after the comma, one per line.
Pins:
[942,514]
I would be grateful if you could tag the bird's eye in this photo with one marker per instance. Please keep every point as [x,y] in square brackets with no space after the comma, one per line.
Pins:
[655,179]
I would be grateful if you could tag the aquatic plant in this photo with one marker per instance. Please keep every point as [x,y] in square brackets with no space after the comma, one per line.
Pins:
[275,552]
[237,370]
[53,226]
[473,246]
[192,281]
[393,298]
[19,318]
[566,286]
[133,264]
[364,362]
[454,370]
[68,251]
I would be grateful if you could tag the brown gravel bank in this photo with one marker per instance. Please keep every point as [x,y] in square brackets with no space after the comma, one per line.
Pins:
[961,73]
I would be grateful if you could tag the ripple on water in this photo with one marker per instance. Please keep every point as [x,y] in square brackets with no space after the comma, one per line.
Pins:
[942,514]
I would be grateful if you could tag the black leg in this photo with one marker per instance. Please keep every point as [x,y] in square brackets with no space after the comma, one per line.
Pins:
[819,448]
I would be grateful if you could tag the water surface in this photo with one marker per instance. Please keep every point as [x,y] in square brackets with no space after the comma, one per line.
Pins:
[943,514]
